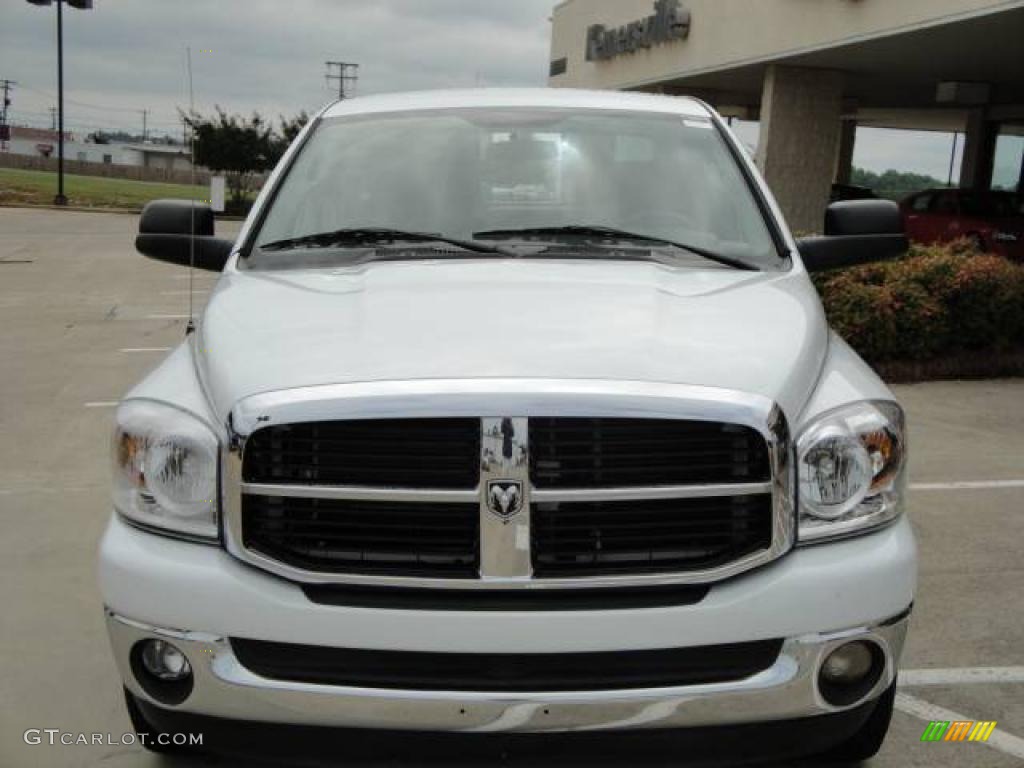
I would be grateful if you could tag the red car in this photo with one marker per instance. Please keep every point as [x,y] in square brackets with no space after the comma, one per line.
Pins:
[993,220]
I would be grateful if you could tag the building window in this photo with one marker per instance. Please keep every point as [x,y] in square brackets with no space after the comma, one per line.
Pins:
[108,159]
[559,67]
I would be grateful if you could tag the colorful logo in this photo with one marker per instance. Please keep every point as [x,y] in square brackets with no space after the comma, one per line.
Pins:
[958,730]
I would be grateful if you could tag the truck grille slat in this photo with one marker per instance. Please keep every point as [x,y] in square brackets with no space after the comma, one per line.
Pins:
[399,453]
[664,538]
[336,535]
[618,453]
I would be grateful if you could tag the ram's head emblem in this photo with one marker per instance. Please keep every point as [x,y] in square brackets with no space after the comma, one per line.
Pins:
[505,498]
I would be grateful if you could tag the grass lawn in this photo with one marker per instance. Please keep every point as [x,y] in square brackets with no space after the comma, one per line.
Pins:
[39,187]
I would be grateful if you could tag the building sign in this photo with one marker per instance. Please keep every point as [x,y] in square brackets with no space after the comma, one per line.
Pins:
[668,24]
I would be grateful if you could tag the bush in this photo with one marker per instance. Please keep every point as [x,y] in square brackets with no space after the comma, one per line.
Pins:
[935,302]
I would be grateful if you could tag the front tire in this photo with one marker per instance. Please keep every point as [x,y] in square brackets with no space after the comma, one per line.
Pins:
[866,742]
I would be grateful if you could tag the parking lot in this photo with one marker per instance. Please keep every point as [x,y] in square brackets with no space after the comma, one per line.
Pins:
[83,318]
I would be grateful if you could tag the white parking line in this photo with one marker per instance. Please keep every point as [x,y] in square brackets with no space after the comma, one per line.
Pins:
[145,349]
[999,740]
[102,404]
[962,676]
[967,485]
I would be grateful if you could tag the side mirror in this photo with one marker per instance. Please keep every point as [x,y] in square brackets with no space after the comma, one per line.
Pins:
[166,234]
[856,232]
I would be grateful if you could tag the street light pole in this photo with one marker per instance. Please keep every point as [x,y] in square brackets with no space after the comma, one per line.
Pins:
[60,199]
[83,5]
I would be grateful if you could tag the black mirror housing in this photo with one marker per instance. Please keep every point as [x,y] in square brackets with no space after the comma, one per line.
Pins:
[174,230]
[856,232]
[863,217]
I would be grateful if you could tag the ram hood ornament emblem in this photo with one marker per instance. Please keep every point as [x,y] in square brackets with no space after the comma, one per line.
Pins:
[505,498]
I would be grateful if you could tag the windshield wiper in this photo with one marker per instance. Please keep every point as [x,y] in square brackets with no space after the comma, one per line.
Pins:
[378,236]
[610,233]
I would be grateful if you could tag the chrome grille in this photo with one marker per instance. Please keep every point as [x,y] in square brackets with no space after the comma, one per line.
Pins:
[680,496]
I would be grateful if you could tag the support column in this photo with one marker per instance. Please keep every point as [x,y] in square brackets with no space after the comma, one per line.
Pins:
[979,151]
[801,113]
[847,141]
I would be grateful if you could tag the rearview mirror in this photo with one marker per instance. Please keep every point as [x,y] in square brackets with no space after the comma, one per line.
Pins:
[856,232]
[169,230]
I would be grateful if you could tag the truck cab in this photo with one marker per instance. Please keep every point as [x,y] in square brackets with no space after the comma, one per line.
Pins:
[514,414]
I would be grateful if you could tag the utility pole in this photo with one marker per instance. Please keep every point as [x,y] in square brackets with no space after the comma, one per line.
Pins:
[5,130]
[145,114]
[345,73]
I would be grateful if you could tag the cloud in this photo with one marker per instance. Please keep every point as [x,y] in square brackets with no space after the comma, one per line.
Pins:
[268,55]
[265,55]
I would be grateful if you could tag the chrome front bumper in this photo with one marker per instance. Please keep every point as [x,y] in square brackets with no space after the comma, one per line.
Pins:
[785,691]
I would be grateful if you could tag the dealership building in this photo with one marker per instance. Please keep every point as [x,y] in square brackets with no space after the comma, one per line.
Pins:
[811,71]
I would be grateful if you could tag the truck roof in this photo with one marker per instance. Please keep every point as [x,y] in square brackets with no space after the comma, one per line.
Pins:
[519,97]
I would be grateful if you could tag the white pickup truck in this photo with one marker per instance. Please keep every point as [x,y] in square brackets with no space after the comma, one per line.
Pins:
[513,416]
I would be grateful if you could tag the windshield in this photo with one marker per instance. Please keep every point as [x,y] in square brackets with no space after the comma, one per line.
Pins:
[504,176]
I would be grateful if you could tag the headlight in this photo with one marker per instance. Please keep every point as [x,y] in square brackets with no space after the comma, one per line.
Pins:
[165,469]
[851,470]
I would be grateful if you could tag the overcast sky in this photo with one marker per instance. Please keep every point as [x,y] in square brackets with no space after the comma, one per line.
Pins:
[268,55]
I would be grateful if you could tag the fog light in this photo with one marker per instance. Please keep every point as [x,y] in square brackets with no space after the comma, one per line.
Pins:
[848,664]
[164,661]
[162,670]
[850,672]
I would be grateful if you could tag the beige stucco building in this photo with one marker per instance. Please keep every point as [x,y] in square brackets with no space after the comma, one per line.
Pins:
[811,71]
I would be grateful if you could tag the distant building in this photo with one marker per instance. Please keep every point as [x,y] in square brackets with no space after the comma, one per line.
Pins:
[167,157]
[42,142]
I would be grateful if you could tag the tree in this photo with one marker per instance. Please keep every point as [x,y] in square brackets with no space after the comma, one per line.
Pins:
[233,145]
[290,129]
[894,185]
[241,148]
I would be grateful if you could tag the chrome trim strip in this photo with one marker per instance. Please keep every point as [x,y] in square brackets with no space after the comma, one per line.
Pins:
[526,398]
[365,493]
[786,690]
[505,539]
[650,492]
[360,493]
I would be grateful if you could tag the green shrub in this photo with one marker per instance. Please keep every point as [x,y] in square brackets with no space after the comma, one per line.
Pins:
[934,302]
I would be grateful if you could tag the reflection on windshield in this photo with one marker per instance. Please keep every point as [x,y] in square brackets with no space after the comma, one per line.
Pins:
[457,172]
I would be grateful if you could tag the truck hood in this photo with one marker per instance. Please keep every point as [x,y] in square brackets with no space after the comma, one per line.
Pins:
[756,332]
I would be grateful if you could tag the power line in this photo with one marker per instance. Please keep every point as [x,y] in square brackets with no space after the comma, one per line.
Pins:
[83,104]
[344,73]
